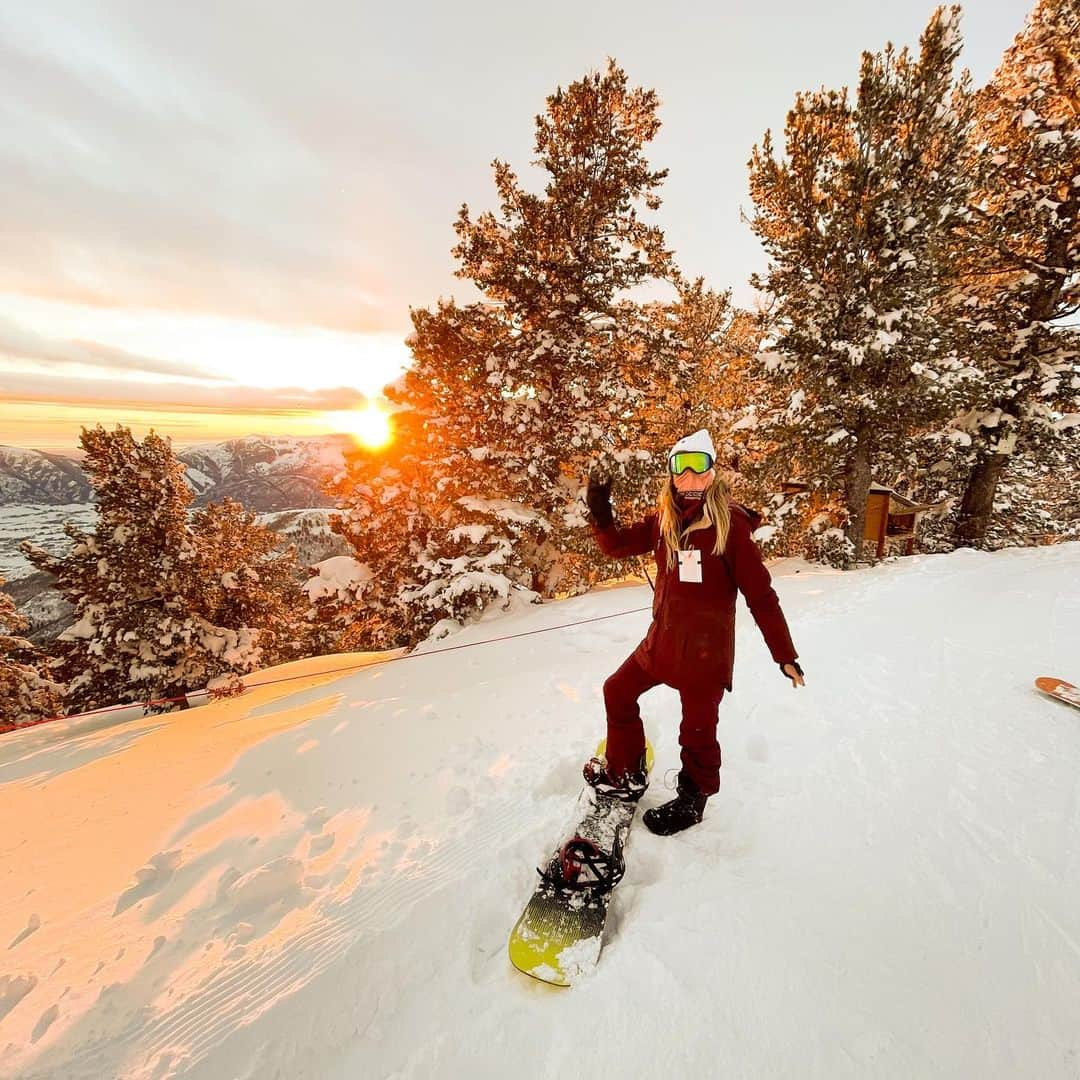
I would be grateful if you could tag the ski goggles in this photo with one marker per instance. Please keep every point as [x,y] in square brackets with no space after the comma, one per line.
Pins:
[695,460]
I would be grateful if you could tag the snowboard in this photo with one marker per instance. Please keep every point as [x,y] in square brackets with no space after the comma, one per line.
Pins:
[1060,689]
[560,933]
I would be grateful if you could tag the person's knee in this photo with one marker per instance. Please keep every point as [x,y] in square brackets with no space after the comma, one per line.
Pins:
[611,690]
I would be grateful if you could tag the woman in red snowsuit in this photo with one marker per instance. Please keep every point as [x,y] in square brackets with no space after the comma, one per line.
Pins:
[705,555]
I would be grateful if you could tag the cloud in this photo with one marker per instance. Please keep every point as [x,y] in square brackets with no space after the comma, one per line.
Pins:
[233,398]
[145,164]
[21,343]
[304,164]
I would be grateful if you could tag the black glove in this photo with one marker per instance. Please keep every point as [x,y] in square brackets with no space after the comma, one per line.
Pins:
[794,664]
[598,498]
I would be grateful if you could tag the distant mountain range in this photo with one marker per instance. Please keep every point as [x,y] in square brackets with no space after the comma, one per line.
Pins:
[263,473]
[34,477]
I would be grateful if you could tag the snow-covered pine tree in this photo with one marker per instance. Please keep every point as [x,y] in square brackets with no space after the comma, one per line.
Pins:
[714,383]
[511,399]
[1036,498]
[762,462]
[26,691]
[1018,260]
[421,557]
[469,435]
[692,384]
[247,582]
[797,521]
[138,634]
[335,597]
[693,347]
[576,357]
[854,220]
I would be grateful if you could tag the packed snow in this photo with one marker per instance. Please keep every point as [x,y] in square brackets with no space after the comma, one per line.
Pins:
[317,879]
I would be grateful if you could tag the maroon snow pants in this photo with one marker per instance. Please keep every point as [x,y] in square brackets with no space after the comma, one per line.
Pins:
[626,734]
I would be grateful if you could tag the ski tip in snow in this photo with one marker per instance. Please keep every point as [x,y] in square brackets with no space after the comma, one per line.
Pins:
[1059,689]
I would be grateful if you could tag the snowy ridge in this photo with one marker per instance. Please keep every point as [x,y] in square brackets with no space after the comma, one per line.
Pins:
[318,879]
[31,476]
[265,473]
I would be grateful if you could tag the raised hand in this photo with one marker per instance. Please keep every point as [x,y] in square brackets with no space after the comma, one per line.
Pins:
[598,499]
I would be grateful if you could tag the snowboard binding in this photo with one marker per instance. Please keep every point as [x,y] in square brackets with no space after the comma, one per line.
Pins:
[627,788]
[581,867]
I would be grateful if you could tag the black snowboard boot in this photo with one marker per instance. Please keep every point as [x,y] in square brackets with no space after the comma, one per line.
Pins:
[626,788]
[686,809]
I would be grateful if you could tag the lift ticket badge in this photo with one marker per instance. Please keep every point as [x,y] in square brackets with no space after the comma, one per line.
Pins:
[690,565]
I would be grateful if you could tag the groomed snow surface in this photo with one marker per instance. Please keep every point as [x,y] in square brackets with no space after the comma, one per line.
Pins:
[317,879]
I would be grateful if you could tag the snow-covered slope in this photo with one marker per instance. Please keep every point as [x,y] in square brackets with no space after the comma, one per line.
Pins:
[317,880]
[265,472]
[42,524]
[32,476]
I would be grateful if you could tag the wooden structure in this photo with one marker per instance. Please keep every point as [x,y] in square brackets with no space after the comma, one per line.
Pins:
[889,515]
[892,516]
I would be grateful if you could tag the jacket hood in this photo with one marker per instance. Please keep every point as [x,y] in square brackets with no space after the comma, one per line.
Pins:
[755,518]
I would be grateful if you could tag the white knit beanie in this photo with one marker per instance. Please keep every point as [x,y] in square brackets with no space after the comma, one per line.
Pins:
[700,440]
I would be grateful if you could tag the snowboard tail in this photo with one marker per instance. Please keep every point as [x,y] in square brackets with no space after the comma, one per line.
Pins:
[560,933]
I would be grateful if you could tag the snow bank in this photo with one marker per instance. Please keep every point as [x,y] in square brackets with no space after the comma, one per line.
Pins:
[317,880]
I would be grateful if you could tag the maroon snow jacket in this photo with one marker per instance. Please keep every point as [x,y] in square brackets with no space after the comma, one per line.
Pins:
[690,644]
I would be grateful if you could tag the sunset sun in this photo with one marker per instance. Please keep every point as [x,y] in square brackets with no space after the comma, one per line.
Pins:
[370,426]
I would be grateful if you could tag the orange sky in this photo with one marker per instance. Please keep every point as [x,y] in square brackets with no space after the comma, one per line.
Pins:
[54,427]
[252,377]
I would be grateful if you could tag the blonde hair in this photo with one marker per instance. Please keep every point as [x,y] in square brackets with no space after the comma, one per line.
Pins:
[715,512]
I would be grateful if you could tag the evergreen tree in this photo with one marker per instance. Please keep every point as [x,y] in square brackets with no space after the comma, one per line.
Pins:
[335,614]
[26,692]
[559,266]
[512,398]
[764,463]
[855,221]
[428,548]
[1036,498]
[133,583]
[1018,260]
[715,384]
[574,358]
[245,581]
[697,345]
[694,386]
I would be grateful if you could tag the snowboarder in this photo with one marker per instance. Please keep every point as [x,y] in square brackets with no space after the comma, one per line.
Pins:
[705,554]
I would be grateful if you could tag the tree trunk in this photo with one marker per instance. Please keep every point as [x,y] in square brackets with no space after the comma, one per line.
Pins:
[977,506]
[856,488]
[176,691]
[978,503]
